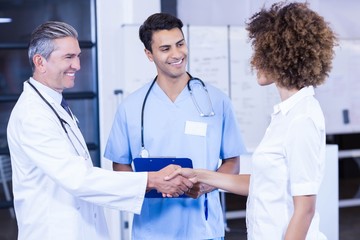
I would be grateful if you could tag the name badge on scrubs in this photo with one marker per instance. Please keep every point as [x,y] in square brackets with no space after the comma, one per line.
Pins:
[195,128]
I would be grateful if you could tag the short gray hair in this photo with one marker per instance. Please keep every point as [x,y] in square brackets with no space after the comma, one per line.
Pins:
[41,41]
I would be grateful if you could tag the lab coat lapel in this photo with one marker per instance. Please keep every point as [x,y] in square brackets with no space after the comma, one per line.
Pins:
[73,124]
[64,115]
[77,139]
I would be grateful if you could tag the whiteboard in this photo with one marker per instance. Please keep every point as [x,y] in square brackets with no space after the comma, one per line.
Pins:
[209,55]
[339,96]
[253,104]
[220,56]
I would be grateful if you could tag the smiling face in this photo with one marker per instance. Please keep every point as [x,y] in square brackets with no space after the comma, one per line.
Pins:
[169,53]
[58,71]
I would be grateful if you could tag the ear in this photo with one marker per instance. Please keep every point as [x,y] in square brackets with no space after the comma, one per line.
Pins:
[149,55]
[40,63]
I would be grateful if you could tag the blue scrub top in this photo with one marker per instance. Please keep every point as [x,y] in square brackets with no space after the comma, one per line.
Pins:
[176,129]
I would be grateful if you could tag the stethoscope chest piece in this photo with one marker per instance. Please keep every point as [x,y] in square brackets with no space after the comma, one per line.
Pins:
[144,153]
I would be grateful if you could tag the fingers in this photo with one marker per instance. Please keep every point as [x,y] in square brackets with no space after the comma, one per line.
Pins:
[183,184]
[180,180]
[188,183]
[177,186]
[188,173]
[193,180]
[197,190]
[174,188]
[173,174]
[192,194]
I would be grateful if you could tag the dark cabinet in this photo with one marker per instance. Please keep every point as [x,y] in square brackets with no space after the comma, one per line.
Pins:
[24,17]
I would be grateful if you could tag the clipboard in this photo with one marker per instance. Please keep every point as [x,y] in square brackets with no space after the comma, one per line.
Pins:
[155,164]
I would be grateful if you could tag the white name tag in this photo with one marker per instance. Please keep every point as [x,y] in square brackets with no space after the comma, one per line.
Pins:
[195,128]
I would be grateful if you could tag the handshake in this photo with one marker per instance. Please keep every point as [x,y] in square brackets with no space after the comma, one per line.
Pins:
[173,181]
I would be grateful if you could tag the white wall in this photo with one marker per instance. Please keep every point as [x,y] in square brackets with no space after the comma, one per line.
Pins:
[111,15]
[342,15]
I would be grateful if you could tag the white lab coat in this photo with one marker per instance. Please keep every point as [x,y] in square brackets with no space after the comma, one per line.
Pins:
[57,193]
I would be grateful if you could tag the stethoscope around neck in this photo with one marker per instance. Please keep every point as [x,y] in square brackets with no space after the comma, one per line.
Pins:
[62,122]
[144,152]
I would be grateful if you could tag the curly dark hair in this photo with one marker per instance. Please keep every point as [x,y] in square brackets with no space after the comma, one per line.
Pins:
[292,44]
[157,22]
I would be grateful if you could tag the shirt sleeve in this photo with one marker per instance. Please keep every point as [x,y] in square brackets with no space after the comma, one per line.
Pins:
[303,150]
[42,148]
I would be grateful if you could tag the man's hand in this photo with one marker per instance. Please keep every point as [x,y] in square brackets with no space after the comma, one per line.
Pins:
[188,173]
[198,189]
[175,187]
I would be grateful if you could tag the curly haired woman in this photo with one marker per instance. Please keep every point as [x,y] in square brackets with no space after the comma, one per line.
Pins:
[293,48]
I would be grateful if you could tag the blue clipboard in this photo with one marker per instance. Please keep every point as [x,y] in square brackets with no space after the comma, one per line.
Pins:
[155,164]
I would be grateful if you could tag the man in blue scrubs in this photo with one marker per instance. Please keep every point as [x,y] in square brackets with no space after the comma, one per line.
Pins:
[174,124]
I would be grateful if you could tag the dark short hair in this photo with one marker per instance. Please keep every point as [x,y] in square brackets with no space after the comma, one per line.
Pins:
[292,44]
[157,22]
[41,40]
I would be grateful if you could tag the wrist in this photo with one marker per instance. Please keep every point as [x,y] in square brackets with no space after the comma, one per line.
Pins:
[150,181]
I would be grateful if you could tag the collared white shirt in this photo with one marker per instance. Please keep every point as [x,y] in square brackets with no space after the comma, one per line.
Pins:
[42,88]
[288,162]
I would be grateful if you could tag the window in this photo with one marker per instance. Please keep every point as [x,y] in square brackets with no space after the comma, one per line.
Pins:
[15,68]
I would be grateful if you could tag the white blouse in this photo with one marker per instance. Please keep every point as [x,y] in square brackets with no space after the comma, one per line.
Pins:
[288,162]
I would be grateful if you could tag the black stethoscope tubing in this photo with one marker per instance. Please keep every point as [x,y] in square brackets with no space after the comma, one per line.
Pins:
[61,120]
[142,113]
[143,150]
